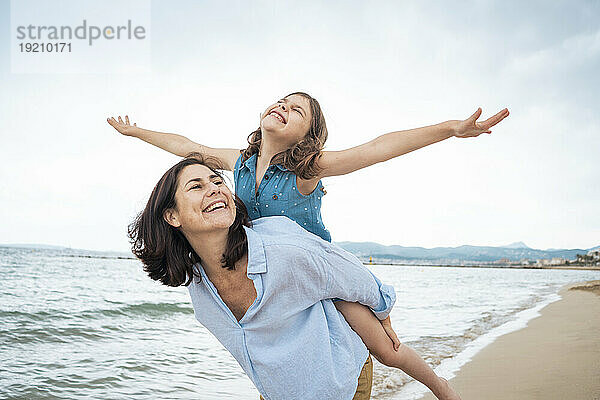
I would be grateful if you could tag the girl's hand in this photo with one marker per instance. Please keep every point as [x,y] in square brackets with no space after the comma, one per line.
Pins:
[471,128]
[123,128]
[387,327]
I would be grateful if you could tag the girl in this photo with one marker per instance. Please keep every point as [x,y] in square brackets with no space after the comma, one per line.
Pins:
[280,173]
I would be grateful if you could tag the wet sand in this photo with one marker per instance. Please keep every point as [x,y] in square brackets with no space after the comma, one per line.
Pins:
[557,356]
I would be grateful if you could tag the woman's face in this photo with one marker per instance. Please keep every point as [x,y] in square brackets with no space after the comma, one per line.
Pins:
[287,121]
[203,202]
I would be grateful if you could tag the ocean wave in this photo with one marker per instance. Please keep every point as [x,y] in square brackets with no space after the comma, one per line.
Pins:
[129,310]
[24,335]
[144,309]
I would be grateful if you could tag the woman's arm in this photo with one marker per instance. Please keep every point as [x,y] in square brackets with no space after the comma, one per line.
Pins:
[173,143]
[394,144]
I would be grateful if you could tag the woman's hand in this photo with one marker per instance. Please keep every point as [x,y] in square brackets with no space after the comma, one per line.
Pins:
[123,128]
[471,128]
[387,327]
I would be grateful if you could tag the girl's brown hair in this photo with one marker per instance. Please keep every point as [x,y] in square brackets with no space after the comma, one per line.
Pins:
[163,249]
[302,158]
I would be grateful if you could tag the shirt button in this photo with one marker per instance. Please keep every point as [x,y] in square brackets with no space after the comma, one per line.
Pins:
[255,209]
[275,197]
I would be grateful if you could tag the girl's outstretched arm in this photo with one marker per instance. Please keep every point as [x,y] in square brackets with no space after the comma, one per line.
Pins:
[173,143]
[394,144]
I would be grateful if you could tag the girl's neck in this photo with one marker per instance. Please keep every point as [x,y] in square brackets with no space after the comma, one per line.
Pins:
[268,150]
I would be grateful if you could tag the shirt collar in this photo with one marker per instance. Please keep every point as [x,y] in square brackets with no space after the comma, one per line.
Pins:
[281,167]
[257,260]
[250,163]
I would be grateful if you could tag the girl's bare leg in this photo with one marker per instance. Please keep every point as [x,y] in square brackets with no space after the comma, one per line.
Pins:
[362,320]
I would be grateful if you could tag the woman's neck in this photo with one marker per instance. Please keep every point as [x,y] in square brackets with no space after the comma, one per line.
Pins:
[210,248]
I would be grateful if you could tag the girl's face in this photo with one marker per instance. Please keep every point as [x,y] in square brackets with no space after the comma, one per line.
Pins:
[203,202]
[287,121]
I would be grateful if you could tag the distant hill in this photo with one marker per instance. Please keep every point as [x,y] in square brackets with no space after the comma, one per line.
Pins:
[461,255]
[456,255]
[516,245]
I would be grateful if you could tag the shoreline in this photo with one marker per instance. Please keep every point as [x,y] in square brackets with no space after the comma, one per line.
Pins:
[555,356]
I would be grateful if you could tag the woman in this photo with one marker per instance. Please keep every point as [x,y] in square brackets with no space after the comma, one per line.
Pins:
[263,290]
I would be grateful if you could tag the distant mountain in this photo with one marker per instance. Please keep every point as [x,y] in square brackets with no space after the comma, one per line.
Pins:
[455,255]
[460,255]
[516,245]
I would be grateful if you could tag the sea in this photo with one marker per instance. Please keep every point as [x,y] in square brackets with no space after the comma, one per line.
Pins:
[78,324]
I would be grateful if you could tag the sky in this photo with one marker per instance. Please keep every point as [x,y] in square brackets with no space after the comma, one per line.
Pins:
[67,178]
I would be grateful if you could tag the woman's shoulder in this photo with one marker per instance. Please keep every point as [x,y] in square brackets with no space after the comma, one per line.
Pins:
[280,230]
[276,224]
[283,231]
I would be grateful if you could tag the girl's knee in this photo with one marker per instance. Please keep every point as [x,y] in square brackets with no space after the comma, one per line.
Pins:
[388,356]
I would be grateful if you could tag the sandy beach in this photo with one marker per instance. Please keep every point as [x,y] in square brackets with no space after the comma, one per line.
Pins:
[557,356]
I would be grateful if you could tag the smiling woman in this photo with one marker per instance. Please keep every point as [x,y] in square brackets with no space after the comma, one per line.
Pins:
[264,289]
[166,253]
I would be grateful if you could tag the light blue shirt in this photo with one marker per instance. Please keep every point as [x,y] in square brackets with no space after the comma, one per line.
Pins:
[292,342]
[278,195]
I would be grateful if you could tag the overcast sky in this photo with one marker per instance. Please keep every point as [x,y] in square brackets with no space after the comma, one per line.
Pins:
[67,178]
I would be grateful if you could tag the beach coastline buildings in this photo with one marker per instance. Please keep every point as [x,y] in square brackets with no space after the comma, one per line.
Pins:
[589,259]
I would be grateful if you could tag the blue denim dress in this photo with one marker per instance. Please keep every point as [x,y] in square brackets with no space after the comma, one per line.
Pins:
[278,195]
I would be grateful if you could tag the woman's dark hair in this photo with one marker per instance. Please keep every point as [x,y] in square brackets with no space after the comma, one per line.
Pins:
[302,157]
[163,249]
